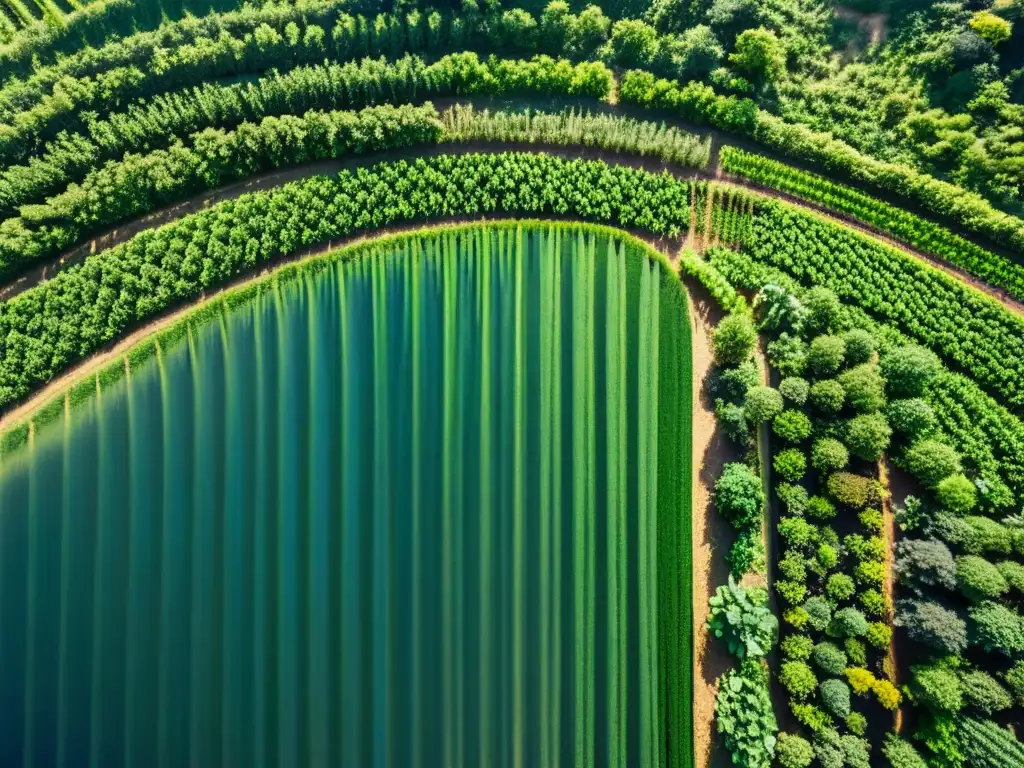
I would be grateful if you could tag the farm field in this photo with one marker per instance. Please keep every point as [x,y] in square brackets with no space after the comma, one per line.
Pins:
[224,579]
[512,382]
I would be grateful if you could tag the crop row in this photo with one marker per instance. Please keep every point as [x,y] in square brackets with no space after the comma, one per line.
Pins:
[697,102]
[972,332]
[48,327]
[152,124]
[924,235]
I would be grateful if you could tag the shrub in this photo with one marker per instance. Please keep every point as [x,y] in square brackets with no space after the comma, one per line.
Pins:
[732,383]
[856,651]
[987,744]
[901,753]
[871,519]
[957,494]
[743,713]
[860,346]
[1014,678]
[868,436]
[796,618]
[827,557]
[792,426]
[977,579]
[799,679]
[861,680]
[873,602]
[811,716]
[879,635]
[857,723]
[925,563]
[827,396]
[793,751]
[734,339]
[825,356]
[739,495]
[829,455]
[829,659]
[931,461]
[887,694]
[733,421]
[982,692]
[743,620]
[909,369]
[840,587]
[987,535]
[937,688]
[793,566]
[634,43]
[853,490]
[856,751]
[820,508]
[870,573]
[747,552]
[1013,573]
[848,622]
[762,404]
[794,389]
[797,647]
[864,387]
[788,355]
[797,532]
[794,497]
[933,625]
[835,696]
[790,464]
[790,591]
[996,627]
[819,612]
[912,417]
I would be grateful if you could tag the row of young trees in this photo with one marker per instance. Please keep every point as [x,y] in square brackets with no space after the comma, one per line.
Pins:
[153,124]
[923,302]
[993,268]
[48,327]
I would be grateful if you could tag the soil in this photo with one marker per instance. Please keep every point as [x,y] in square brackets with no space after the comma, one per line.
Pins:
[712,535]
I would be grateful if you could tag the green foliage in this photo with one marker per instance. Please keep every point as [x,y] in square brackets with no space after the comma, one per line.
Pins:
[798,533]
[978,580]
[634,43]
[991,27]
[924,563]
[792,426]
[762,403]
[879,635]
[957,494]
[857,723]
[820,508]
[901,753]
[848,622]
[827,396]
[798,678]
[989,745]
[835,697]
[931,461]
[867,436]
[732,383]
[824,312]
[794,497]
[759,53]
[797,647]
[829,659]
[860,345]
[982,692]
[825,356]
[854,491]
[996,627]
[937,688]
[819,612]
[739,495]
[912,417]
[743,620]
[933,625]
[744,716]
[1015,682]
[794,389]
[856,651]
[864,387]
[872,602]
[829,455]
[840,587]
[734,339]
[790,464]
[1013,573]
[788,355]
[793,751]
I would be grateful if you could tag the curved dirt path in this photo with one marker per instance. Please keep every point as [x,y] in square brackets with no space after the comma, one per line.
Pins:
[125,231]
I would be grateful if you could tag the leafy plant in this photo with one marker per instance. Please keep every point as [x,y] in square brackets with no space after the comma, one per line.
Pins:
[743,620]
[744,716]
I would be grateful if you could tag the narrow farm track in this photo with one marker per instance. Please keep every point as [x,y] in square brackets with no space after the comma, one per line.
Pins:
[125,231]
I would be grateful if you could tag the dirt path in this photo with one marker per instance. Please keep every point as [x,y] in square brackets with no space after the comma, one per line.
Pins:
[712,535]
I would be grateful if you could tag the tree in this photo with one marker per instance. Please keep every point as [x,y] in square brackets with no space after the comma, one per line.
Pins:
[829,455]
[937,688]
[760,54]
[732,383]
[744,716]
[788,355]
[848,622]
[925,563]
[823,310]
[991,27]
[957,494]
[762,404]
[793,751]
[743,620]
[794,389]
[790,464]
[519,30]
[1013,573]
[977,579]
[792,426]
[1015,682]
[734,339]
[739,495]
[912,417]
[868,436]
[820,508]
[634,43]
[798,678]
[557,26]
[591,30]
[827,396]
[901,753]
[983,692]
[825,356]
[840,587]
[996,627]
[819,612]
[933,625]
[864,387]
[860,346]
[854,491]
[908,370]
[829,659]
[699,52]
[835,696]
[931,461]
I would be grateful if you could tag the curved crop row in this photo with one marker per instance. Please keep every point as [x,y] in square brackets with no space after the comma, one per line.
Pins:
[48,327]
[972,332]
[924,235]
[153,124]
